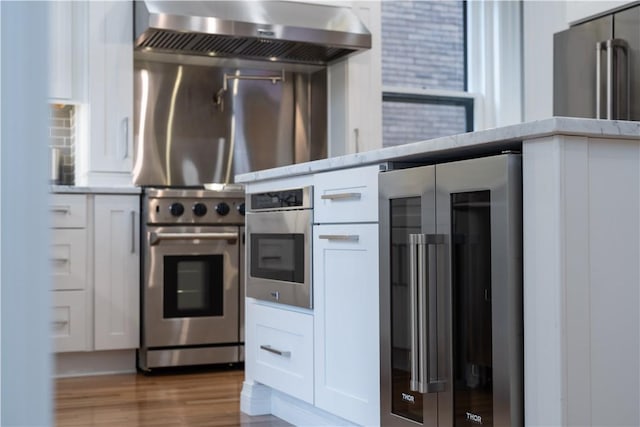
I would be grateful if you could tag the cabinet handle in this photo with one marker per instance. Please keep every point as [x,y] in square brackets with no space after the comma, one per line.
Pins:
[356,133]
[340,237]
[599,49]
[59,322]
[59,259]
[133,232]
[275,351]
[60,209]
[126,137]
[341,196]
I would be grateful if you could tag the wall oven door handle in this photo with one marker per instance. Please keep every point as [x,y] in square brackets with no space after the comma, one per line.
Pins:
[156,238]
[424,312]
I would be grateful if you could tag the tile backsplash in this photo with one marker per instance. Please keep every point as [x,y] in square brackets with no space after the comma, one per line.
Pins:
[62,135]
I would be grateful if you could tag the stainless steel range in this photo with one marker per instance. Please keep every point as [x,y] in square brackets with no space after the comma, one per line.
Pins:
[191,286]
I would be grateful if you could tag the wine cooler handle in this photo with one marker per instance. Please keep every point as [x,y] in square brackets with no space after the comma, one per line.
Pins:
[413,314]
[435,243]
[424,312]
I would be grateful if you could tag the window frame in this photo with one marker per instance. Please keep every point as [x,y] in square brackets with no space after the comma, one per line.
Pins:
[425,96]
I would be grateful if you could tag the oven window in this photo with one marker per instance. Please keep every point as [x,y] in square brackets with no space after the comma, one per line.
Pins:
[193,285]
[278,257]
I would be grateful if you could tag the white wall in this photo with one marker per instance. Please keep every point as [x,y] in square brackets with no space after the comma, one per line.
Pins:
[579,10]
[541,19]
[25,393]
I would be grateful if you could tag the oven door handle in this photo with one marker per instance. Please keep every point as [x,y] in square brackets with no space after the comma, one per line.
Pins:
[156,238]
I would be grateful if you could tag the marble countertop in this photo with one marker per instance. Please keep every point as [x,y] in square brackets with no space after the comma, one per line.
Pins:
[72,189]
[482,141]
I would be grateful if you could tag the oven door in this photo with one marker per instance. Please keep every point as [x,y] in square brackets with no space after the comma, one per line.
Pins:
[278,257]
[192,289]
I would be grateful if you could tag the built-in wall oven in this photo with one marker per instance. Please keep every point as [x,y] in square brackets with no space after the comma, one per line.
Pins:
[451,294]
[279,225]
[191,292]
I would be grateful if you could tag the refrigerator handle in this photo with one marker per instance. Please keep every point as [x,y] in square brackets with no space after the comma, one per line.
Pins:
[600,46]
[613,103]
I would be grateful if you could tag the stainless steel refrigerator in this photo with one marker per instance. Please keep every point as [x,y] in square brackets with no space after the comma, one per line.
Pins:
[596,67]
[451,349]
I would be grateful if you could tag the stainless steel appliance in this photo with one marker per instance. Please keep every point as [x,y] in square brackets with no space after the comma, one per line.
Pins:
[191,293]
[274,31]
[451,294]
[189,130]
[279,225]
[597,68]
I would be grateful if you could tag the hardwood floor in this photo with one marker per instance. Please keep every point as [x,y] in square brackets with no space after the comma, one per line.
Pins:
[186,399]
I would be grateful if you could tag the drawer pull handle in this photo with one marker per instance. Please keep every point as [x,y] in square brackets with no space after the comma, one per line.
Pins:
[341,196]
[60,209]
[275,351]
[60,259]
[340,237]
[60,322]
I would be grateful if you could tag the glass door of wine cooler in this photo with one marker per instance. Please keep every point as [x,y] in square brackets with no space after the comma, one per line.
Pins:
[451,294]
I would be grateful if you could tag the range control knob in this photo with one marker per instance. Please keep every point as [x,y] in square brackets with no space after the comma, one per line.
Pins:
[222,208]
[241,208]
[199,209]
[176,209]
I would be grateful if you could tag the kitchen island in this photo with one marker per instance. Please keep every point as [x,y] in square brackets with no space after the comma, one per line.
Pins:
[581,278]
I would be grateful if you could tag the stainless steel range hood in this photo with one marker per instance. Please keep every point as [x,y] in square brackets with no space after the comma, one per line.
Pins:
[278,31]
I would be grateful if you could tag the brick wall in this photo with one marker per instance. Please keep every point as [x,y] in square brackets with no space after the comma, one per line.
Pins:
[423,48]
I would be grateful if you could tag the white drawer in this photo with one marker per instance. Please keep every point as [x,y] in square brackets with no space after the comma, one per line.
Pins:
[68,256]
[283,349]
[68,210]
[68,321]
[349,195]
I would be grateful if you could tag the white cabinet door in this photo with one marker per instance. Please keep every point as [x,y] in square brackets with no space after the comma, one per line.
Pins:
[116,266]
[60,50]
[280,349]
[68,321]
[346,324]
[110,91]
[355,92]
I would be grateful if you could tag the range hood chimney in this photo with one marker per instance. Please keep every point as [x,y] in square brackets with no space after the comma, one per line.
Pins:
[277,31]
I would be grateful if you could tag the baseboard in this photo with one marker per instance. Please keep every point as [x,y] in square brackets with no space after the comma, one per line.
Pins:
[299,413]
[94,363]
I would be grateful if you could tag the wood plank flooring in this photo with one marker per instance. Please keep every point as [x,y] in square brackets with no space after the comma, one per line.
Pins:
[186,399]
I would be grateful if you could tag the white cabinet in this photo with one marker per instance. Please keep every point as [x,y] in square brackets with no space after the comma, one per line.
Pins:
[355,92]
[346,294]
[280,348]
[346,196]
[116,281]
[68,257]
[108,156]
[67,51]
[69,321]
[95,256]
[60,50]
[345,272]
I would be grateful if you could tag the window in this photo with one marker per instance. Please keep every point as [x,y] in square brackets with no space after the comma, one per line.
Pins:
[424,71]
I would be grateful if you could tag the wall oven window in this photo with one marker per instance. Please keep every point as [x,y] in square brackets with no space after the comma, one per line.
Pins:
[278,256]
[193,286]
